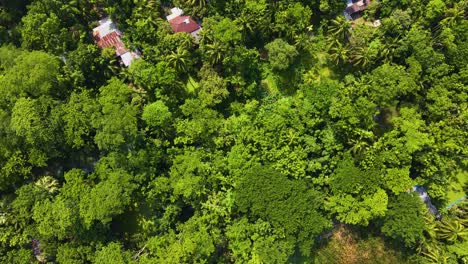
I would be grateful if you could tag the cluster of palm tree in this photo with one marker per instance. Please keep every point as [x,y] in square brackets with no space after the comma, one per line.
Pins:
[148,10]
[362,55]
[196,3]
[179,59]
[450,230]
[339,32]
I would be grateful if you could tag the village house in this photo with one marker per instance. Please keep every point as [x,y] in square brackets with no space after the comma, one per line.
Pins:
[106,35]
[355,8]
[180,23]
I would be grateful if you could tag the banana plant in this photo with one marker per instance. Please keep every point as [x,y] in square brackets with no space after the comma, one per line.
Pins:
[451,230]
[434,254]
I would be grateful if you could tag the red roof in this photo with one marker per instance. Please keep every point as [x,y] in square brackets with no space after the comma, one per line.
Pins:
[183,24]
[111,40]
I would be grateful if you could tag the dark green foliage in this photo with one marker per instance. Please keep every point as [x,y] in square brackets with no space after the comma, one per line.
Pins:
[404,220]
[288,205]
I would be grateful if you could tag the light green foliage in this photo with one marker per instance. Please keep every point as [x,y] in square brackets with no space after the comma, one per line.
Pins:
[116,124]
[54,218]
[353,114]
[189,174]
[33,74]
[17,256]
[459,250]
[20,215]
[413,127]
[158,79]
[110,197]
[435,8]
[252,16]
[213,88]
[156,114]
[112,254]
[257,243]
[398,180]
[199,123]
[399,20]
[418,42]
[74,187]
[367,55]
[280,54]
[357,197]
[388,83]
[69,253]
[397,146]
[404,219]
[351,210]
[76,115]
[226,31]
[219,36]
[14,170]
[195,241]
[30,121]
[339,29]
[8,55]
[26,121]
[41,31]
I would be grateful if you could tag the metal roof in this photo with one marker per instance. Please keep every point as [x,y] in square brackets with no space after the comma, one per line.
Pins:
[184,24]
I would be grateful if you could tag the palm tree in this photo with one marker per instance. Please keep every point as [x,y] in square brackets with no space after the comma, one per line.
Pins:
[196,3]
[430,226]
[48,183]
[147,9]
[302,40]
[361,142]
[236,81]
[339,53]
[340,28]
[245,24]
[361,56]
[389,48]
[461,212]
[178,59]
[215,52]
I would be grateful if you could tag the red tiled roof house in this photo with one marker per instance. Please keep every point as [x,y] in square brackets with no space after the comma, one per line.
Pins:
[180,23]
[106,35]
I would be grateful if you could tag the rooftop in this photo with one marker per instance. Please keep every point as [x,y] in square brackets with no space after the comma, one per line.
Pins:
[106,35]
[184,24]
[354,7]
[175,12]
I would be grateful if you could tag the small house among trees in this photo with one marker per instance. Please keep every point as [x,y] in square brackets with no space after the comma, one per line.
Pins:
[180,23]
[106,35]
[355,8]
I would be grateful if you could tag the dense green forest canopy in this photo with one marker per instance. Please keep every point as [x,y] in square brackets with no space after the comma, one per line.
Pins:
[287,133]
